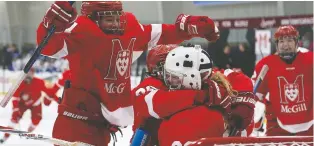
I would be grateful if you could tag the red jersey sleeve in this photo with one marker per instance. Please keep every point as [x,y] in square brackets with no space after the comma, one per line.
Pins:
[162,34]
[155,34]
[158,102]
[68,42]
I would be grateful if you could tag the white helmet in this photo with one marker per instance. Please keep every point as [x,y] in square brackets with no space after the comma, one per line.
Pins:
[186,67]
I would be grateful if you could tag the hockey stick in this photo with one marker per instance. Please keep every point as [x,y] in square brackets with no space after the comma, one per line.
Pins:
[29,135]
[259,80]
[29,65]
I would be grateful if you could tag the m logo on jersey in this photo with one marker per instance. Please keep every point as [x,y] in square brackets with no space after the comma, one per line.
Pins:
[122,62]
[291,91]
[292,95]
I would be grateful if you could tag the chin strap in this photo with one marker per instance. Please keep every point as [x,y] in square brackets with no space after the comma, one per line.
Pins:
[289,59]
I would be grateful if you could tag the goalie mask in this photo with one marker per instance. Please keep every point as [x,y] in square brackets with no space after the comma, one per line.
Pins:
[108,15]
[286,38]
[187,67]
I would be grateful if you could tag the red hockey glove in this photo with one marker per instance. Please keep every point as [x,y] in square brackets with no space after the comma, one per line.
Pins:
[242,110]
[61,14]
[16,115]
[215,94]
[197,26]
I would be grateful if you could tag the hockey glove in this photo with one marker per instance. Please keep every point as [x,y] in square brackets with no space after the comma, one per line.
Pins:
[197,26]
[61,14]
[242,110]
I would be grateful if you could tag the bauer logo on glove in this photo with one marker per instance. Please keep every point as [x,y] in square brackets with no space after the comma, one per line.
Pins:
[242,99]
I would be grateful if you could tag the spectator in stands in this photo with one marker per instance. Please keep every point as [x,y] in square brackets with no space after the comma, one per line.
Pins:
[50,65]
[243,59]
[225,59]
[40,66]
[10,53]
[307,40]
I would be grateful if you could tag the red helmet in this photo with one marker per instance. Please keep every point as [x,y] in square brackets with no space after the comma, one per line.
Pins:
[284,31]
[108,15]
[156,58]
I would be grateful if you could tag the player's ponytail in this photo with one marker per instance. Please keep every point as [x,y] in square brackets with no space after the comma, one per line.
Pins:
[220,79]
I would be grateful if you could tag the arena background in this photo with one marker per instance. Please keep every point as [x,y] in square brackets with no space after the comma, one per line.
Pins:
[239,23]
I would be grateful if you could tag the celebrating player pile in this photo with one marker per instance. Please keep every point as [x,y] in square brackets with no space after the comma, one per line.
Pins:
[289,82]
[185,94]
[99,46]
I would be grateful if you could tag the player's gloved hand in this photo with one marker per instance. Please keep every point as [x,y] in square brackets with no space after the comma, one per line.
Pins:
[215,94]
[197,26]
[61,14]
[17,114]
[242,110]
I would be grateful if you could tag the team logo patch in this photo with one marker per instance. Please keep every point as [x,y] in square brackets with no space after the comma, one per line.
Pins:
[291,91]
[122,62]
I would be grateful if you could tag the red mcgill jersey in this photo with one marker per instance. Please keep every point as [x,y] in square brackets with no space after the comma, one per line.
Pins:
[290,88]
[153,99]
[101,63]
[29,95]
[191,124]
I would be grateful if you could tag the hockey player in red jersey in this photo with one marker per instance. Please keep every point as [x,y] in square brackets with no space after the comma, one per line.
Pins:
[99,46]
[29,95]
[289,82]
[231,101]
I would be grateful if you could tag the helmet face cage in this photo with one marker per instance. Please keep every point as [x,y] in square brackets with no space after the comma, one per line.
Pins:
[286,38]
[108,15]
[173,80]
[111,22]
[158,70]
[287,47]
